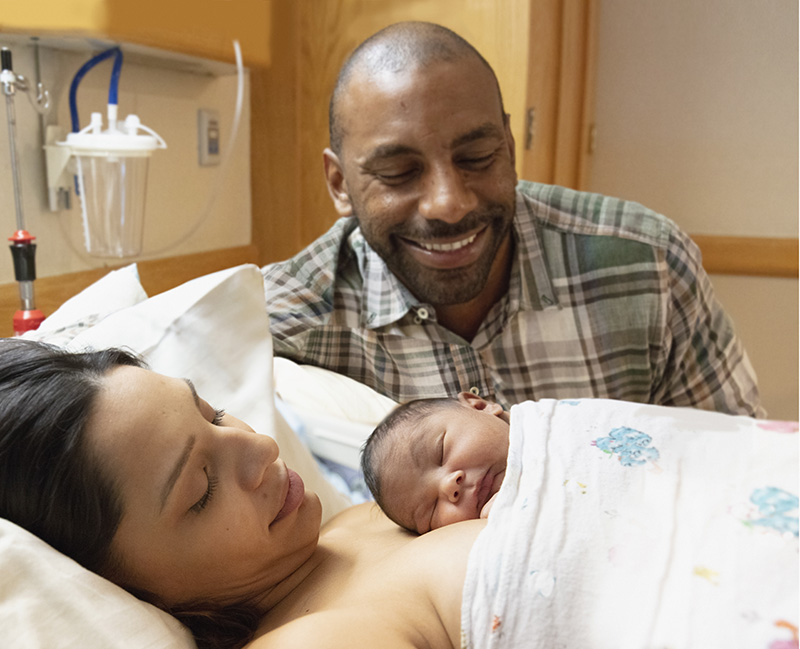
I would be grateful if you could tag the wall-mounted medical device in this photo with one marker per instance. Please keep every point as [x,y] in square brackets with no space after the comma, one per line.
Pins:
[110,169]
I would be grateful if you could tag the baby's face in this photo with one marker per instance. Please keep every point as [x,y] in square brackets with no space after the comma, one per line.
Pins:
[446,468]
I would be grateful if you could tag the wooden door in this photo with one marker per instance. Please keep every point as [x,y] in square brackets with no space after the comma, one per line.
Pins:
[557,143]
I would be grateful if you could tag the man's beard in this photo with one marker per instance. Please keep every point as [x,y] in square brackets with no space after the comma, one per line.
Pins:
[443,286]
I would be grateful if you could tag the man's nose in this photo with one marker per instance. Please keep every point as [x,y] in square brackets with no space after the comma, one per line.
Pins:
[452,486]
[446,195]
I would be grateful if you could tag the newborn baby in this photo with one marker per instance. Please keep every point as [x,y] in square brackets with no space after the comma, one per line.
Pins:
[432,462]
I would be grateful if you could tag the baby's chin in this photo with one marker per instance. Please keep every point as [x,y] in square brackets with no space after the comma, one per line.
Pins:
[488,506]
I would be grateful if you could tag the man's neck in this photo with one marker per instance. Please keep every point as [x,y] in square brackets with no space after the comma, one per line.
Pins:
[465,319]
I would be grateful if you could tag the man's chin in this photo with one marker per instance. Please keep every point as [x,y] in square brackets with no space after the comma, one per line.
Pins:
[443,287]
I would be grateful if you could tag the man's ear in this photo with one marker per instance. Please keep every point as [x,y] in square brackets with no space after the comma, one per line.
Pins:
[477,403]
[337,185]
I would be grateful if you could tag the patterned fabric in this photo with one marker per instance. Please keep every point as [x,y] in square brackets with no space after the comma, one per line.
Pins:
[623,526]
[606,299]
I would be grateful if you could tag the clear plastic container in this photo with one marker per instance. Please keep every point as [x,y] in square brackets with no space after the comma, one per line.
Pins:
[111,170]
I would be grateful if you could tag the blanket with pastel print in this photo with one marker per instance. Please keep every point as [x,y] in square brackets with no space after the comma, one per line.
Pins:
[628,526]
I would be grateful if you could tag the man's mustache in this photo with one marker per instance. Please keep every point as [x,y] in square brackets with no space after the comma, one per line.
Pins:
[435,229]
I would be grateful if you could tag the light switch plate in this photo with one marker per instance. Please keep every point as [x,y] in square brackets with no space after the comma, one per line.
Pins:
[208,137]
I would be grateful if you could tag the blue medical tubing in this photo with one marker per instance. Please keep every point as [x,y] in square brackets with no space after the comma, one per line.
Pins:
[113,88]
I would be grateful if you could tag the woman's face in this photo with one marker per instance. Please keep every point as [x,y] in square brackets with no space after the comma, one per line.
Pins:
[209,511]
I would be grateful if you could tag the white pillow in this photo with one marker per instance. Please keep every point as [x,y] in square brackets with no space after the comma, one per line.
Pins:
[114,291]
[47,600]
[215,331]
[337,413]
[325,392]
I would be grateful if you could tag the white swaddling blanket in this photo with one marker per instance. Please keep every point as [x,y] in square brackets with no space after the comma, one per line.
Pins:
[624,525]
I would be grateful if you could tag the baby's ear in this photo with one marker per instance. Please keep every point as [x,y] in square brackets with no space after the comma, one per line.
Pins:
[477,403]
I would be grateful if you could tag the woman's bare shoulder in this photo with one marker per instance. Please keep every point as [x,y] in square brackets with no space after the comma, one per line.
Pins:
[340,629]
[363,518]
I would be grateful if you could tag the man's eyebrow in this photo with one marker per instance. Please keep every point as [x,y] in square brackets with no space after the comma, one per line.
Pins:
[489,129]
[386,151]
[169,485]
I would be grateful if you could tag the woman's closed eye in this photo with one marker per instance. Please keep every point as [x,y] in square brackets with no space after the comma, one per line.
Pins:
[219,413]
[201,504]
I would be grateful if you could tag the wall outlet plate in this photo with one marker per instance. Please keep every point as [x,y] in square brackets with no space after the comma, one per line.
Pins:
[208,137]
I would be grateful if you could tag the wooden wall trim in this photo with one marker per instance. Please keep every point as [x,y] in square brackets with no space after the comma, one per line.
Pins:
[156,275]
[759,256]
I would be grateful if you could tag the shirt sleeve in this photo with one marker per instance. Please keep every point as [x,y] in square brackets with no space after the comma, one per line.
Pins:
[706,365]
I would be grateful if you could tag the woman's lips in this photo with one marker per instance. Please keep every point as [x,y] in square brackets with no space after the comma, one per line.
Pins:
[294,495]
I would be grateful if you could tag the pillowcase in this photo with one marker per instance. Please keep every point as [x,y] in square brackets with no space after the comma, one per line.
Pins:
[213,330]
[315,389]
[114,291]
[336,413]
[48,600]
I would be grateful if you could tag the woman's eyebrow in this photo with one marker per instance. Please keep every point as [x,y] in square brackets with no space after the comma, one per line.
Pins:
[176,470]
[194,392]
[169,485]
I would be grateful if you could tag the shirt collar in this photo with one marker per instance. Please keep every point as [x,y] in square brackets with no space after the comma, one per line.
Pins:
[531,286]
[385,299]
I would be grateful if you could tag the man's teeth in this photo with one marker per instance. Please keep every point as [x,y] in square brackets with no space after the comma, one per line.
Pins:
[442,247]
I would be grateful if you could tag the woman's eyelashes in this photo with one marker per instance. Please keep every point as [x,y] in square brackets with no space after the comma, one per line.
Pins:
[201,504]
[219,413]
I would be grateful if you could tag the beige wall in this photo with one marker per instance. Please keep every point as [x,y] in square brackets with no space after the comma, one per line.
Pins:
[697,117]
[166,94]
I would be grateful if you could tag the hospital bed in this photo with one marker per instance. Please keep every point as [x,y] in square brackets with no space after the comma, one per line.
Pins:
[215,330]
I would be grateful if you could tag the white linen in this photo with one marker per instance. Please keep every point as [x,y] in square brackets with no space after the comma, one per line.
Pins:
[623,525]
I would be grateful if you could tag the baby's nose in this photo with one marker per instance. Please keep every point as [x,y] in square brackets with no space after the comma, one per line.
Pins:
[452,486]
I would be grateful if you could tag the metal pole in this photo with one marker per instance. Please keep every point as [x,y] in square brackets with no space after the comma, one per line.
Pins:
[23,250]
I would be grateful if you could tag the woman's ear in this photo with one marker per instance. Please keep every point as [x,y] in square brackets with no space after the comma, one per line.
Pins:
[337,185]
[477,403]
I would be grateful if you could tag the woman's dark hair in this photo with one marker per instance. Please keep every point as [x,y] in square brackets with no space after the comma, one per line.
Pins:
[51,485]
[378,448]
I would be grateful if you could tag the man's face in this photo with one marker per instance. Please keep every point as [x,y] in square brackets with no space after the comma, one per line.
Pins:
[427,167]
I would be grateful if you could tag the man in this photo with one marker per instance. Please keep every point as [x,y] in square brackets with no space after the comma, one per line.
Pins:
[445,275]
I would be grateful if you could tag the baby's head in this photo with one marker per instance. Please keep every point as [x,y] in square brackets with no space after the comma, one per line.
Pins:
[432,462]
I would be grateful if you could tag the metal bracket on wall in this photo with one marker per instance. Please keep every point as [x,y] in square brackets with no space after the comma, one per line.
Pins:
[530,123]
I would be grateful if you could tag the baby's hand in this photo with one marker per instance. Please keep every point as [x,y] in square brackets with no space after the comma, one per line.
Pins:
[485,509]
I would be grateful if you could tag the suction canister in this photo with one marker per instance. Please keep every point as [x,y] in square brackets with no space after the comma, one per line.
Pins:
[111,171]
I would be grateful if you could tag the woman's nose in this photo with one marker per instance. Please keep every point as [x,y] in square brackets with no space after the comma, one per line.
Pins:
[255,453]
[446,196]
[452,486]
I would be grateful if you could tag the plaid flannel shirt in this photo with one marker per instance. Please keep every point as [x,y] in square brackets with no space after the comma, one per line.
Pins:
[606,299]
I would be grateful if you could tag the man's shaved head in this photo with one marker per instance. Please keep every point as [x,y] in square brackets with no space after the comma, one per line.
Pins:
[396,48]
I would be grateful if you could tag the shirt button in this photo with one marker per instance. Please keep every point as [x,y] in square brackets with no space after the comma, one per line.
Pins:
[475,391]
[422,313]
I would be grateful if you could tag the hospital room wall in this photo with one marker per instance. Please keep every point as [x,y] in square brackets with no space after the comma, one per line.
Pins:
[696,112]
[189,208]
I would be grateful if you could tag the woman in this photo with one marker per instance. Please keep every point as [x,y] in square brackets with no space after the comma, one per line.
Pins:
[136,477]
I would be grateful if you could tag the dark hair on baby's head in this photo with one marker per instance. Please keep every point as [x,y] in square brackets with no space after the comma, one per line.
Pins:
[378,448]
